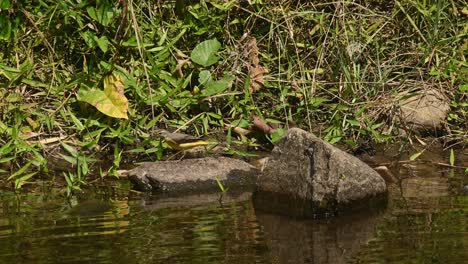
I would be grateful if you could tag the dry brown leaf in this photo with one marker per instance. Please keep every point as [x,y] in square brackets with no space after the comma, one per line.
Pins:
[252,63]
[238,130]
[180,64]
[250,52]
[51,140]
[261,125]
[241,131]
[181,55]
[182,59]
[257,79]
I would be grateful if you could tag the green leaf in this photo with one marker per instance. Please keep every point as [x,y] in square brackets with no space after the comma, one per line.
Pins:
[334,140]
[226,6]
[9,72]
[6,149]
[6,159]
[215,87]
[79,126]
[463,88]
[205,53]
[221,186]
[112,101]
[102,14]
[90,38]
[67,179]
[19,182]
[204,77]
[70,149]
[452,157]
[416,155]
[5,28]
[92,12]
[353,122]
[277,135]
[33,83]
[4,4]
[20,171]
[103,43]
[317,101]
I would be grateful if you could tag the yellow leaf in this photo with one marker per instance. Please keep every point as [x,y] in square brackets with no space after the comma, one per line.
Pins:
[114,89]
[112,101]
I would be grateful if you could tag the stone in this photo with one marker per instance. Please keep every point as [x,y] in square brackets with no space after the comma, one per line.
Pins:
[424,112]
[195,175]
[305,176]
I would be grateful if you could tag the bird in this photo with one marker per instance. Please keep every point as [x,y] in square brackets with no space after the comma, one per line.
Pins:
[181,141]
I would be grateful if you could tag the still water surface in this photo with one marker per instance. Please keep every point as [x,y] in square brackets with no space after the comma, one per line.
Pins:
[425,221]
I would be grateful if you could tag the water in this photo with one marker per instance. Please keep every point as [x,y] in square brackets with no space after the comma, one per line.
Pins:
[424,222]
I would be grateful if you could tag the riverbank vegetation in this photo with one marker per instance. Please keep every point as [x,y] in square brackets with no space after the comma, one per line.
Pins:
[86,80]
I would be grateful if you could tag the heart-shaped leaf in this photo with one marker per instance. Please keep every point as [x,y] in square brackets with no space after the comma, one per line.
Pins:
[205,52]
[204,77]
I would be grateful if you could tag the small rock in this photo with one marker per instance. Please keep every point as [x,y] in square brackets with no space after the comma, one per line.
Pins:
[425,112]
[193,175]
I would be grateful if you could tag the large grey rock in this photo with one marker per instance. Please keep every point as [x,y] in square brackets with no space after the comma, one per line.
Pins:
[425,111]
[306,176]
[193,175]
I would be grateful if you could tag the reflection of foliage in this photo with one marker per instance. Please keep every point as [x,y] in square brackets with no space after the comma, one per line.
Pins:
[424,230]
[205,234]
[47,219]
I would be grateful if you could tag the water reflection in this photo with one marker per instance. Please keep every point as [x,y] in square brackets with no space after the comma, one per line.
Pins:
[36,230]
[428,231]
[334,240]
[425,222]
[160,229]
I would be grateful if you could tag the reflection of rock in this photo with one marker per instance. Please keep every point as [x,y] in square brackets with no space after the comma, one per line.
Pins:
[160,201]
[305,175]
[425,187]
[422,195]
[193,174]
[90,208]
[310,241]
[425,111]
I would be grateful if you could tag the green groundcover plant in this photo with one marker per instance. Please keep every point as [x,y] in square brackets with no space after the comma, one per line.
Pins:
[83,81]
